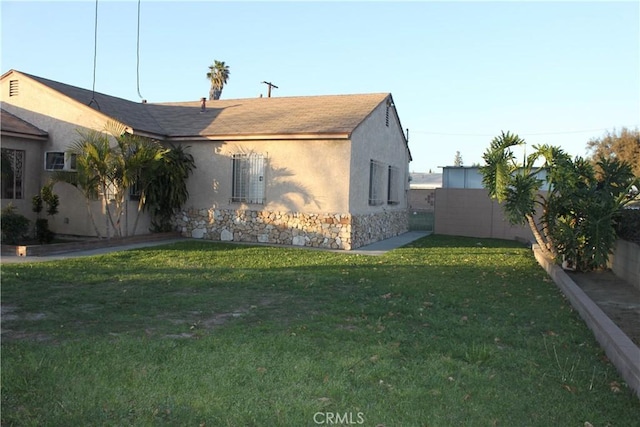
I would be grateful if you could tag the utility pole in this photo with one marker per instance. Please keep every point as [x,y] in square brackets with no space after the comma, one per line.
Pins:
[270,86]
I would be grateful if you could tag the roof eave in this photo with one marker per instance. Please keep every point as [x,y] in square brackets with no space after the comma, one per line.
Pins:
[24,135]
[145,134]
[261,137]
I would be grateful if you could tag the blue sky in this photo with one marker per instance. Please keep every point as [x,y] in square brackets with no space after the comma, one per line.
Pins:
[460,72]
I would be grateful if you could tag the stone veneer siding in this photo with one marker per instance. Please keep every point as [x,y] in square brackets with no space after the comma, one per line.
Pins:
[331,231]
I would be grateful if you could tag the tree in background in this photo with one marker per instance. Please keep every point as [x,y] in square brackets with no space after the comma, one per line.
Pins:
[218,75]
[574,217]
[623,146]
[457,161]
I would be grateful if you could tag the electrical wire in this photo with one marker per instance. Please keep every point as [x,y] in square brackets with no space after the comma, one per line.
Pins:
[95,59]
[138,54]
[519,133]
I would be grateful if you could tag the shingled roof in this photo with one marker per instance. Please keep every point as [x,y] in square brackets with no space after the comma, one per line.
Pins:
[131,113]
[311,116]
[13,125]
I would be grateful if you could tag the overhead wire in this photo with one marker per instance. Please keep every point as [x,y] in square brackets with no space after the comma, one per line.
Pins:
[95,58]
[138,54]
[519,133]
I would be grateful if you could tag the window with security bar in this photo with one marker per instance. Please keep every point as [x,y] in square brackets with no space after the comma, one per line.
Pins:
[248,178]
[12,173]
[393,188]
[376,183]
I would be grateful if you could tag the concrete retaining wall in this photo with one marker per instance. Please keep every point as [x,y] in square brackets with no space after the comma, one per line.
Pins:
[625,262]
[620,350]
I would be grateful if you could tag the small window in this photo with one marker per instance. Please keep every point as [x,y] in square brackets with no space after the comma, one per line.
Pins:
[12,174]
[393,191]
[248,182]
[376,183]
[13,87]
[58,160]
[135,191]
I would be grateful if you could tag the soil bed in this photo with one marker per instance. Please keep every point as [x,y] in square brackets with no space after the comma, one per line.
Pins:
[619,300]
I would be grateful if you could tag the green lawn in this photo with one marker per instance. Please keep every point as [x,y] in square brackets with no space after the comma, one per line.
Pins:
[444,332]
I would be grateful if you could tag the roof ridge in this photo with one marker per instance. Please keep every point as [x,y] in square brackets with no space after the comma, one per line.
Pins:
[257,98]
[116,104]
[335,114]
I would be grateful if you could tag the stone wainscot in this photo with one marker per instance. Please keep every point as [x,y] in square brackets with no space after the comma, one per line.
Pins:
[330,230]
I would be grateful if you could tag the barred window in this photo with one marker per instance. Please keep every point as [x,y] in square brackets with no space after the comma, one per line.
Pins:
[135,190]
[12,173]
[393,190]
[376,183]
[248,181]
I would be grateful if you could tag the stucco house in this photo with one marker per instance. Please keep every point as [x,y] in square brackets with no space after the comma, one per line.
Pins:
[321,171]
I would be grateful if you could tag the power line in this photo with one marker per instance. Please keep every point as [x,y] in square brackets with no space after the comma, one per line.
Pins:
[519,133]
[138,54]
[95,59]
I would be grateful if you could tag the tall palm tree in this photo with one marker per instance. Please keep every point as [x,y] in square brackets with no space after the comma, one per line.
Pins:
[218,75]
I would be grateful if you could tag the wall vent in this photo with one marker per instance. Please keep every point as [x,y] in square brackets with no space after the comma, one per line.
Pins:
[13,87]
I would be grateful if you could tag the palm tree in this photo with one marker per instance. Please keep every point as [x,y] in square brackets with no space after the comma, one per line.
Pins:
[218,75]
[516,185]
[576,211]
[106,171]
[166,186]
[92,151]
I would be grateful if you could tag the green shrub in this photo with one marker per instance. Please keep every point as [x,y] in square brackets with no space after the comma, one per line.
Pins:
[46,195]
[628,225]
[43,234]
[14,225]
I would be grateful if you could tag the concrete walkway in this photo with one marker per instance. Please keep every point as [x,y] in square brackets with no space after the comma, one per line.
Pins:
[383,246]
[14,259]
[377,248]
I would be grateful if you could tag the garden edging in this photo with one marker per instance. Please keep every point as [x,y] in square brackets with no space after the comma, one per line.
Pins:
[57,248]
[619,348]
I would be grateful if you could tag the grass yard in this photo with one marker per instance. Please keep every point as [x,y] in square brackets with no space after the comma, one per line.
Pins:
[444,332]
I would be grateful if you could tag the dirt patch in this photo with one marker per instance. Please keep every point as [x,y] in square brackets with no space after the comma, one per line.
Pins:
[619,300]
[10,316]
[197,321]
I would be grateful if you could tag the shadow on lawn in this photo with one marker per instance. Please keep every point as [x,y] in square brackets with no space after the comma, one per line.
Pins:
[191,299]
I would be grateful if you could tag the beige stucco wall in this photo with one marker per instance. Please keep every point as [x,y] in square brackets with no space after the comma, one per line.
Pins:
[301,176]
[471,212]
[31,184]
[373,140]
[61,118]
